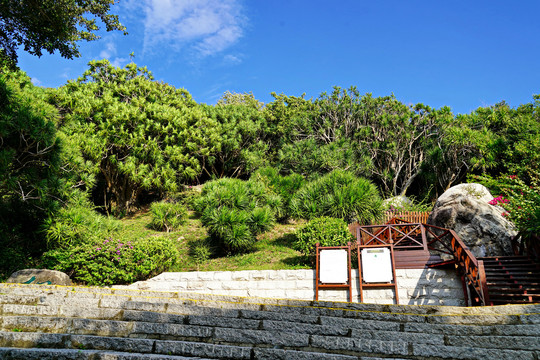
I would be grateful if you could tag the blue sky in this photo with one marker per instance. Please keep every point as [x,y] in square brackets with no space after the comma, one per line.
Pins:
[462,54]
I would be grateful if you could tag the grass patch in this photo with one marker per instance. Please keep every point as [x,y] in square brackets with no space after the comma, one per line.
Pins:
[273,250]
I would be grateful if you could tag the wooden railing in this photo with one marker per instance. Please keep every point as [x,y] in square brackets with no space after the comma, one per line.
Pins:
[418,236]
[409,216]
[471,268]
[401,236]
[396,217]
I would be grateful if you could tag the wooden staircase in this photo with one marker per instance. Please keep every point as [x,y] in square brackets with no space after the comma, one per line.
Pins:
[512,279]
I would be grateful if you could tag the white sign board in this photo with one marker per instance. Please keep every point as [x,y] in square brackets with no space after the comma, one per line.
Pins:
[377,265]
[333,266]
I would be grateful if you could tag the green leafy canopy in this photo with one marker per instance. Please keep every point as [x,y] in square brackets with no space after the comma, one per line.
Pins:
[139,134]
[52,25]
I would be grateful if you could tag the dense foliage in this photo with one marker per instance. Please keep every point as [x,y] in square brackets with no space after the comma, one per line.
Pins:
[236,211]
[52,25]
[113,261]
[30,159]
[137,134]
[75,224]
[520,200]
[338,194]
[115,140]
[325,231]
[283,185]
[167,216]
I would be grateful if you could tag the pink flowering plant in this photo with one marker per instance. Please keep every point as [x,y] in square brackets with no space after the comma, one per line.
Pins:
[519,199]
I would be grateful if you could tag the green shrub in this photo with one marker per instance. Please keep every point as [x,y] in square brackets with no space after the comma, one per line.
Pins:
[284,186]
[78,223]
[326,231]
[201,251]
[338,194]
[235,212]
[167,216]
[520,200]
[112,261]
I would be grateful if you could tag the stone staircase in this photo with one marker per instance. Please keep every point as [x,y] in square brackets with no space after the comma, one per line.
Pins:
[512,279]
[53,322]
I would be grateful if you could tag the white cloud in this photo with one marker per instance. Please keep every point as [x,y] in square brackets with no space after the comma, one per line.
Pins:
[232,59]
[206,27]
[65,73]
[119,62]
[36,81]
[109,51]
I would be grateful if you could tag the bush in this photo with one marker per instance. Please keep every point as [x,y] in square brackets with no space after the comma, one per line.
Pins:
[76,224]
[284,186]
[201,251]
[112,261]
[235,212]
[519,198]
[338,194]
[326,231]
[167,216]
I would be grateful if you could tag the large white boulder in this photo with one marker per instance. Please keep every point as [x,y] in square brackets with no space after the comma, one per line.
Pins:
[465,209]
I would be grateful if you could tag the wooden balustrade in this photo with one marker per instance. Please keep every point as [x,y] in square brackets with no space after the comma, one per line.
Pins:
[471,268]
[413,242]
[408,216]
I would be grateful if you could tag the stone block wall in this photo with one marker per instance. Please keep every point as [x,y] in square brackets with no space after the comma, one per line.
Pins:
[415,286]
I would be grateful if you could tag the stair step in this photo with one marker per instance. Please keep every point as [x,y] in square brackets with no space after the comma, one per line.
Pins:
[505,294]
[514,290]
[509,302]
[503,277]
[137,327]
[514,285]
[511,268]
[511,273]
[514,296]
[144,346]
[512,257]
[81,354]
[509,262]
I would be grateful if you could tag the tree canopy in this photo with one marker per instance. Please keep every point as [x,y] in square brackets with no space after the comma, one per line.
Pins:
[52,25]
[137,134]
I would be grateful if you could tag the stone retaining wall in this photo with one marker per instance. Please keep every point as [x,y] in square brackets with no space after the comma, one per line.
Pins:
[415,286]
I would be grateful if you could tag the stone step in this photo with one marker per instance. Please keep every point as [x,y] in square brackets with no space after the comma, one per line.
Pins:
[132,345]
[311,315]
[113,307]
[113,321]
[320,347]
[264,332]
[80,354]
[108,297]
[204,327]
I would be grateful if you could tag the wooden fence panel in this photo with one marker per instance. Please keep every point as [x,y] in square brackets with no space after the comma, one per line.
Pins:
[409,216]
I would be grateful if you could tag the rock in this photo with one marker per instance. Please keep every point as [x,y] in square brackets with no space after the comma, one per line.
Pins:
[39,276]
[465,209]
[396,202]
